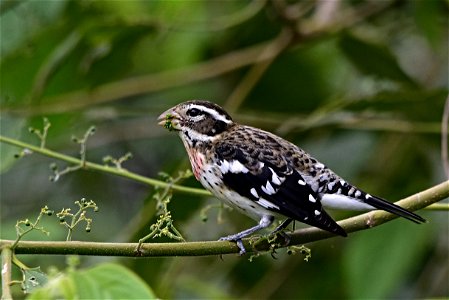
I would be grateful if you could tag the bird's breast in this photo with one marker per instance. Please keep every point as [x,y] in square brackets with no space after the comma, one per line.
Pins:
[197,161]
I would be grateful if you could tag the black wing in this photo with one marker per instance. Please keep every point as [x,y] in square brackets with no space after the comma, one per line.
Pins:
[276,187]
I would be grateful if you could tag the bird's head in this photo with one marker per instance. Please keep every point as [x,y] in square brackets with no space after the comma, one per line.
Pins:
[196,121]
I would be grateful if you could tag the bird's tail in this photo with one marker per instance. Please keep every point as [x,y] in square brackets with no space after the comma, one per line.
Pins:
[380,203]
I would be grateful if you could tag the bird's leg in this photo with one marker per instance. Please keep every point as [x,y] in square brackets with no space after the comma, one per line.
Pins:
[283,225]
[280,228]
[263,223]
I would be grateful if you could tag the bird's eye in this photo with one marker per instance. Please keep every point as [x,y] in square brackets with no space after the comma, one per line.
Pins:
[193,112]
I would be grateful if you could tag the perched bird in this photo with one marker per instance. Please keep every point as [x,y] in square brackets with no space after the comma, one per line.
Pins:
[263,175]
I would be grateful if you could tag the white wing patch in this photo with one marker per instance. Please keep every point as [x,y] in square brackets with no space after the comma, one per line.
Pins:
[224,167]
[234,167]
[267,204]
[275,178]
[254,192]
[311,198]
[268,189]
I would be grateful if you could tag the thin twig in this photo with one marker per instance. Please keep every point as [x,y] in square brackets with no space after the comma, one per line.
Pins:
[103,168]
[438,207]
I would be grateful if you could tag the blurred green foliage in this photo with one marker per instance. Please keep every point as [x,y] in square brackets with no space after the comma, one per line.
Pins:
[361,85]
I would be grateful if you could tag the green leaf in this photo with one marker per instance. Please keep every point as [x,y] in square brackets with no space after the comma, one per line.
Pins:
[105,281]
[378,262]
[373,59]
[33,279]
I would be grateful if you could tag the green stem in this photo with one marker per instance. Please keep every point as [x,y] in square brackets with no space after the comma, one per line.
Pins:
[104,168]
[438,206]
[7,255]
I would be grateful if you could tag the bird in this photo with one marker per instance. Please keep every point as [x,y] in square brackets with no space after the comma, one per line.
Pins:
[263,175]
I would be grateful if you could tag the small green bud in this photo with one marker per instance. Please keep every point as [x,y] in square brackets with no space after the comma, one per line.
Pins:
[49,212]
[96,209]
[61,220]
[27,222]
[88,229]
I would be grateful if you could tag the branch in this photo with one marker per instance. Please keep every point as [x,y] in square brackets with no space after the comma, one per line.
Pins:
[6,271]
[103,168]
[301,236]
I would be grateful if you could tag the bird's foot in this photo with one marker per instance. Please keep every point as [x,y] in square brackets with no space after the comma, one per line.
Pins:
[237,239]
[284,236]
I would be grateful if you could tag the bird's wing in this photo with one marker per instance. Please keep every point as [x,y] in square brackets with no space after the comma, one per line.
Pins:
[274,184]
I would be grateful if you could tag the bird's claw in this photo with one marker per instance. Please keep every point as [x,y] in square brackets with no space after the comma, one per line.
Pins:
[237,240]
[286,238]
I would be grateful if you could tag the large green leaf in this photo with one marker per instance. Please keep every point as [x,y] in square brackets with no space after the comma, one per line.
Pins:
[105,281]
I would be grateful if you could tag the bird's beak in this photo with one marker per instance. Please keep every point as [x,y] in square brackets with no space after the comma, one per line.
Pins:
[166,119]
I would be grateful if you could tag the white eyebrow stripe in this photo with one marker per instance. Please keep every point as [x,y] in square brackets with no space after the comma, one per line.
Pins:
[212,112]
